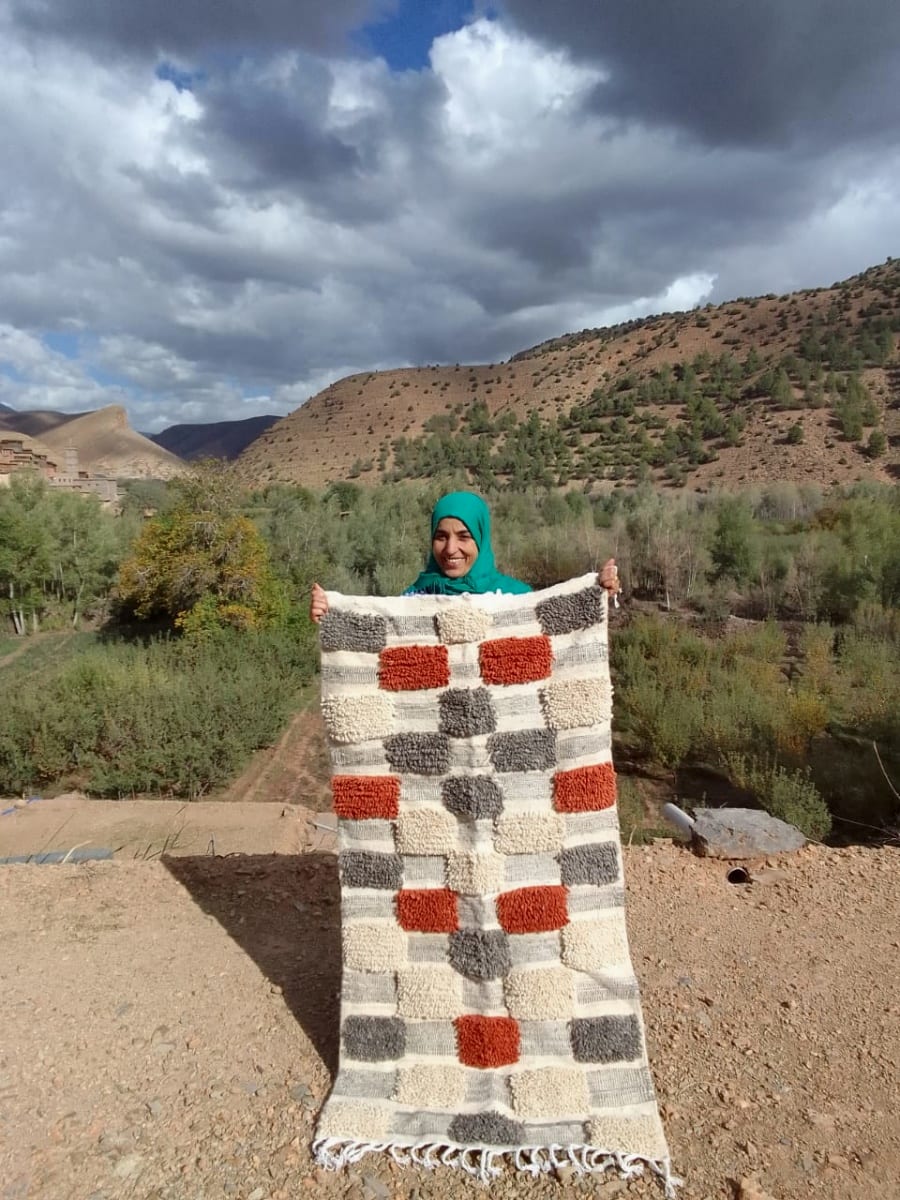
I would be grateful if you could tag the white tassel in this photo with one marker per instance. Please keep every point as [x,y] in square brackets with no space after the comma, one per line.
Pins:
[485,1164]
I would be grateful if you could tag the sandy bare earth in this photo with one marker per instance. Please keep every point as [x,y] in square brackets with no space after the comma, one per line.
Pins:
[169,1027]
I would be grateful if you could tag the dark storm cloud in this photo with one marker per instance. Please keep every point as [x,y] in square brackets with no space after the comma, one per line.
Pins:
[184,27]
[735,71]
[275,125]
[291,216]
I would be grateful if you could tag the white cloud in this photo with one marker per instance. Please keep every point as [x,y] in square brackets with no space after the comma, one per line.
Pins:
[505,96]
[299,217]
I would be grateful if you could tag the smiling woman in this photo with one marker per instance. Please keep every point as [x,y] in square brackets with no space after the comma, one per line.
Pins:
[462,557]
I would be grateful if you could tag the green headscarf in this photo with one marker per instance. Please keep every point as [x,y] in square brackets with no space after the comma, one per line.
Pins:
[484,576]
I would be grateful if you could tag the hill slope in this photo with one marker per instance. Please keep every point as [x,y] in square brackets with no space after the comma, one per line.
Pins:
[707,398]
[105,442]
[218,439]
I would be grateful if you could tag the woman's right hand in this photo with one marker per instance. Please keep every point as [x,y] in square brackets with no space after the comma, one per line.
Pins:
[318,603]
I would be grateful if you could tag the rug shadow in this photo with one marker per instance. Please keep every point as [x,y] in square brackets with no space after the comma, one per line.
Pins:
[284,911]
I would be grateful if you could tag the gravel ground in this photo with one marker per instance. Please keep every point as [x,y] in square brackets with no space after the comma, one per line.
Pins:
[170,1028]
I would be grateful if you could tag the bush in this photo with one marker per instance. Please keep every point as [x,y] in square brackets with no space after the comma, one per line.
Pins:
[167,717]
[788,795]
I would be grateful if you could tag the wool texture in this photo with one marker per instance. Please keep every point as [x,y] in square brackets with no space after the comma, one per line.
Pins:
[472,796]
[431,993]
[474,874]
[640,1134]
[489,1013]
[550,1093]
[487,1041]
[429,910]
[529,833]
[466,712]
[413,668]
[351,719]
[462,623]
[539,993]
[571,703]
[426,831]
[480,953]
[423,1085]
[373,1039]
[516,660]
[585,789]
[348,1118]
[370,947]
[366,797]
[592,945]
[533,909]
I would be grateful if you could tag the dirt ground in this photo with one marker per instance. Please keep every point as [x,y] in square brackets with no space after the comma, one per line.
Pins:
[170,1027]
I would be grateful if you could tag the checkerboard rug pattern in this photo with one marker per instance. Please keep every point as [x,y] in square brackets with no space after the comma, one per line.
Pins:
[489,1010]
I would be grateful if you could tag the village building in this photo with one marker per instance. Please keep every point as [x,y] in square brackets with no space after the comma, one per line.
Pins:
[20,453]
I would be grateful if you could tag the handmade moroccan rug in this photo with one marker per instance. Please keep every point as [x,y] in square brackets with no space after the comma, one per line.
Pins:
[489,1010]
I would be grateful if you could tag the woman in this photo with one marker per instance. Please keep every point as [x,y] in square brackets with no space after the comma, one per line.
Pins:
[462,558]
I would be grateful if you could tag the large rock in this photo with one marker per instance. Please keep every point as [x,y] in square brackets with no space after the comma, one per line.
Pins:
[742,833]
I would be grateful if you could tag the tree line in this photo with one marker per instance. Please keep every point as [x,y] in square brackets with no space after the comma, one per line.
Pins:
[200,645]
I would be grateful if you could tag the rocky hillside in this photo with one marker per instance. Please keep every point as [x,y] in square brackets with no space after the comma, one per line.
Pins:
[800,387]
[217,439]
[105,442]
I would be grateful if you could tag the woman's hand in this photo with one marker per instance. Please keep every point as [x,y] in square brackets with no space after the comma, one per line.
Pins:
[608,577]
[318,603]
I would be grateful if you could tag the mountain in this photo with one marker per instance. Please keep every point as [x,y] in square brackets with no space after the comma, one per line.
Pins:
[219,439]
[4,408]
[760,389]
[105,442]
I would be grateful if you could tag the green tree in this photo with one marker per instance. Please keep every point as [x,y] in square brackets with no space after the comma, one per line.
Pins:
[58,553]
[202,565]
[26,553]
[735,545]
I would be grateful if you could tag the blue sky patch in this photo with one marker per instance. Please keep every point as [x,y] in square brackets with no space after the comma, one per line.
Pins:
[67,344]
[184,80]
[404,39]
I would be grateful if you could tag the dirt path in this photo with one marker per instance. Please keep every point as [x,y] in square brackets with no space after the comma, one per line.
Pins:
[169,1029]
[146,829]
[293,771]
[33,640]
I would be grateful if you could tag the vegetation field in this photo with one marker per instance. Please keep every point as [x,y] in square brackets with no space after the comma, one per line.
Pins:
[759,641]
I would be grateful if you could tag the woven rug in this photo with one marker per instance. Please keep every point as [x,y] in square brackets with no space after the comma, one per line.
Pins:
[490,1015]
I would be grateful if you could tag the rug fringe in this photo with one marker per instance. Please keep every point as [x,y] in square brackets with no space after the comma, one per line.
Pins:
[484,1163]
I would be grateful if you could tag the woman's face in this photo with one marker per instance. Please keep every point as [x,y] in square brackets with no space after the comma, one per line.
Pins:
[454,548]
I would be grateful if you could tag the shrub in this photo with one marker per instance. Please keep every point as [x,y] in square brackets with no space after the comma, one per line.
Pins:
[168,717]
[789,795]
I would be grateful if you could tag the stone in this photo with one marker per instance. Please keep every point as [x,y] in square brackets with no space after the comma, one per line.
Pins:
[128,1166]
[374,1188]
[742,833]
[749,1189]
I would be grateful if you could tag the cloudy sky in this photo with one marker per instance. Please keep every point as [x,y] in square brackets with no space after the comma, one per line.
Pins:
[211,210]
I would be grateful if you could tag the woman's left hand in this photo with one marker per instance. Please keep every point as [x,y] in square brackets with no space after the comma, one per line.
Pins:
[608,577]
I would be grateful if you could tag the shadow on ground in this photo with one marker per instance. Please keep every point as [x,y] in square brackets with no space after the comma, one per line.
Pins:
[284,911]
